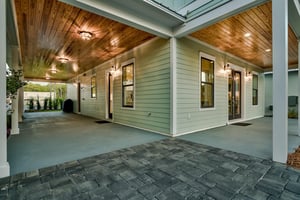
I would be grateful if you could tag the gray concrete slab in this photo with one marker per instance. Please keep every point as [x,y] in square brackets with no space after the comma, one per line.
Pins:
[255,139]
[50,138]
[168,169]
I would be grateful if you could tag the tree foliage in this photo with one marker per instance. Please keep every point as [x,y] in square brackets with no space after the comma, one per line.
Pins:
[60,89]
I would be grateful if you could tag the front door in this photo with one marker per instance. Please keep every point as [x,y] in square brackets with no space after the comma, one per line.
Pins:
[234,95]
[79,97]
[110,96]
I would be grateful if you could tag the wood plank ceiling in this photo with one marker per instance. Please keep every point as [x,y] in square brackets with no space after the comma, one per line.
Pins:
[49,30]
[230,36]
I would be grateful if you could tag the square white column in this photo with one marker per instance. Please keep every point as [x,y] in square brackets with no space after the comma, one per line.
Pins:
[280,79]
[4,166]
[298,86]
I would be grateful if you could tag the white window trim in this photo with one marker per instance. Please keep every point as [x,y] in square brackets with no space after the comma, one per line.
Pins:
[213,58]
[132,60]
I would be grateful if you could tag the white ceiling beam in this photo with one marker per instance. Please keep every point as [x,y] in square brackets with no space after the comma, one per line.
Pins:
[122,16]
[223,12]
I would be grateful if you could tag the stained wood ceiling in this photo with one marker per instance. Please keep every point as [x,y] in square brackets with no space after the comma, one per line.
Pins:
[49,29]
[229,36]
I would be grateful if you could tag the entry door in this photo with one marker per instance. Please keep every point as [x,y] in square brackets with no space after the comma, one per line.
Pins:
[234,95]
[110,96]
[79,97]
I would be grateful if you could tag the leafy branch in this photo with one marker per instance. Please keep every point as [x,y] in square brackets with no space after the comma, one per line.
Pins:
[13,82]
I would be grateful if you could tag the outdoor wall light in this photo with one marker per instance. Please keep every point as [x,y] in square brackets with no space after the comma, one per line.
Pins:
[227,68]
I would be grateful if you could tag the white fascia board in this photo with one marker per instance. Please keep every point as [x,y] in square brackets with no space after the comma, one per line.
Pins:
[121,16]
[227,10]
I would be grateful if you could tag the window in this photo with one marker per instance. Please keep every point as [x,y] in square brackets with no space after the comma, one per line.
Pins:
[93,87]
[207,81]
[254,89]
[128,85]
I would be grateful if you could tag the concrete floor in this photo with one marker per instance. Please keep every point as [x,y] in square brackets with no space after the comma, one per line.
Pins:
[255,139]
[51,138]
[48,139]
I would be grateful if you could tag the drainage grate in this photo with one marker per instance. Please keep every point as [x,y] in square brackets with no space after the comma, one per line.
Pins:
[241,124]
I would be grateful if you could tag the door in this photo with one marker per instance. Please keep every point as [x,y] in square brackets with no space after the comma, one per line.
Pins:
[79,97]
[234,95]
[110,96]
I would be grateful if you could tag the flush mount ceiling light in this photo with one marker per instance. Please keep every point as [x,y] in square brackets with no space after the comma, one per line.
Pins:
[247,34]
[63,59]
[268,50]
[85,35]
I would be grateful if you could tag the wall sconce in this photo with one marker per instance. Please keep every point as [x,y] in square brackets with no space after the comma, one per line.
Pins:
[248,75]
[114,71]
[227,68]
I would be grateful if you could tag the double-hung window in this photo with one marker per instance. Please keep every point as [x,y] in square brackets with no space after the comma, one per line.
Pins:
[254,89]
[207,82]
[128,85]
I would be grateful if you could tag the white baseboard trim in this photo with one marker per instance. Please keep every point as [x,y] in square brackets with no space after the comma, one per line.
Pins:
[198,130]
[165,134]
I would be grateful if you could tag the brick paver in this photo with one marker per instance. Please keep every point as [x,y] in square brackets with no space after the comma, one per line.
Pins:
[167,169]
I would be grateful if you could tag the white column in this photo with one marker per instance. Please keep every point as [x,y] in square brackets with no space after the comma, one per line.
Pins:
[15,115]
[298,86]
[4,166]
[173,86]
[280,79]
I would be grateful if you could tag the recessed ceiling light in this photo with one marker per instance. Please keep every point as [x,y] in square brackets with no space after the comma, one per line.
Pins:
[85,35]
[247,34]
[268,50]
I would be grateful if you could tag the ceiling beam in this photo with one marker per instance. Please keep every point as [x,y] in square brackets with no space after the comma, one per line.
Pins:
[229,9]
[121,15]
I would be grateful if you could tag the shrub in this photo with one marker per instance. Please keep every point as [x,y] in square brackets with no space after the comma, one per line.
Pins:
[38,105]
[50,103]
[45,103]
[31,104]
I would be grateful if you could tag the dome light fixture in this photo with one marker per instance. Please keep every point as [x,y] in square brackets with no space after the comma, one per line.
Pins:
[63,59]
[85,35]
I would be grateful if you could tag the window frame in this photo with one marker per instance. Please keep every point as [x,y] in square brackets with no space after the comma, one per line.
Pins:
[93,87]
[211,58]
[255,89]
[123,65]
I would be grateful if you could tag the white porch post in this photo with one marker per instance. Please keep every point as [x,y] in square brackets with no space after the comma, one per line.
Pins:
[280,79]
[298,86]
[15,115]
[173,86]
[4,166]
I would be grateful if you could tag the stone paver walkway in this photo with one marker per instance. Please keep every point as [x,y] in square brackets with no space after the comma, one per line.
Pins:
[167,169]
